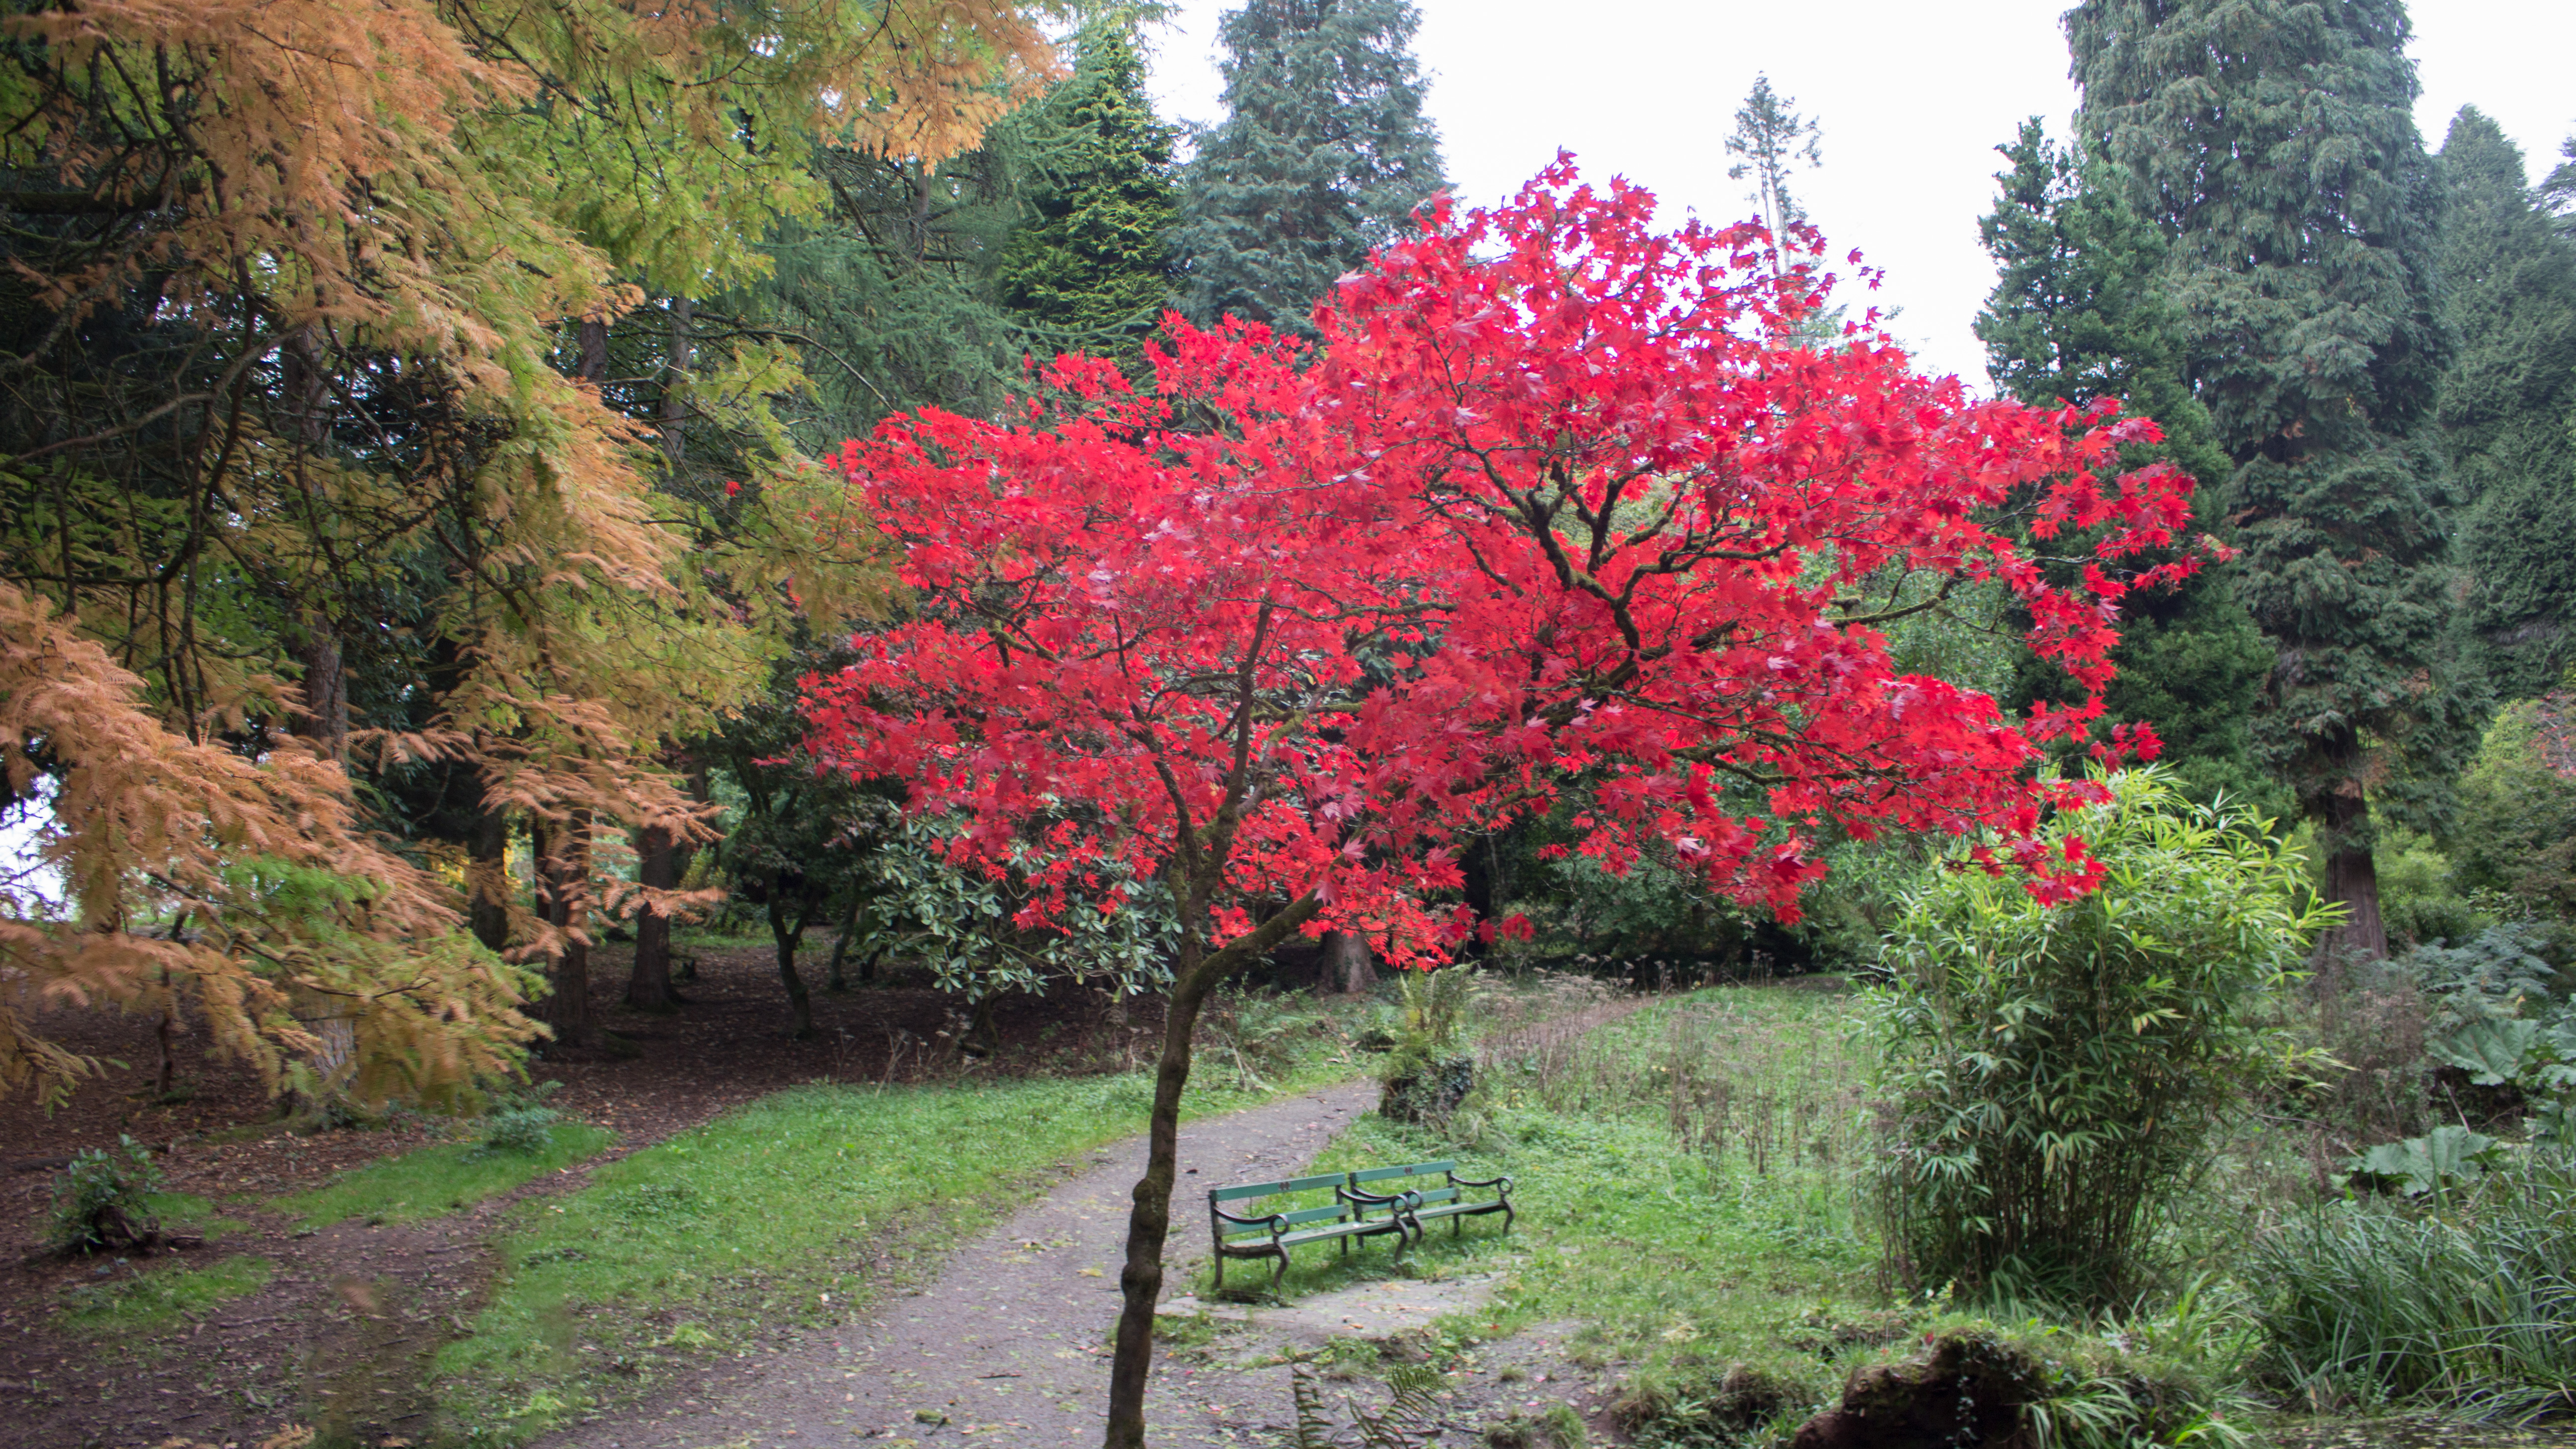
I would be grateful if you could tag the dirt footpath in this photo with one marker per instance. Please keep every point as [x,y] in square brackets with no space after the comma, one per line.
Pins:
[1009,1345]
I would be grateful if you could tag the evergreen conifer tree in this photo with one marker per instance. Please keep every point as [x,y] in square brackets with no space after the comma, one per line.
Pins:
[2507,404]
[1323,155]
[1774,141]
[2273,143]
[1092,266]
[2079,312]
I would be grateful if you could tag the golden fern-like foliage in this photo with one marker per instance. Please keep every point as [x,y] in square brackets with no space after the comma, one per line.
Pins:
[193,878]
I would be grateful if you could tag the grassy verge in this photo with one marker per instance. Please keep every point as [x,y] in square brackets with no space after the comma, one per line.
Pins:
[130,1303]
[787,1214]
[1745,1250]
[182,1212]
[1690,1226]
[428,1182]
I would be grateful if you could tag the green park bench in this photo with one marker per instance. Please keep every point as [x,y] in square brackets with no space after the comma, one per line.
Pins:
[1347,1216]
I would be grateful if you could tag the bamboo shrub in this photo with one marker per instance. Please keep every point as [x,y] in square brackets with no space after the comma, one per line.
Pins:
[2053,1077]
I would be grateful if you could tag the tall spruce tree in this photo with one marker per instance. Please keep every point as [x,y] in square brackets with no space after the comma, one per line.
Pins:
[2273,143]
[1092,266]
[2507,404]
[2079,312]
[1323,155]
[1774,141]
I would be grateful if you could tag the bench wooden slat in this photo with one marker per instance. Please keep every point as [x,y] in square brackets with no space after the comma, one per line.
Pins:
[1267,1189]
[1419,1169]
[1302,1215]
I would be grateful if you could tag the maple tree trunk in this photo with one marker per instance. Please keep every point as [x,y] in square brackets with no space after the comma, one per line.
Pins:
[1149,1221]
[800,1006]
[2352,881]
[657,867]
[1348,963]
[835,980]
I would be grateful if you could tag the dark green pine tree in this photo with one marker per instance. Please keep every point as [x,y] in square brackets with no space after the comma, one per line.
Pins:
[2079,312]
[2558,193]
[2507,405]
[1091,268]
[2273,143]
[1323,155]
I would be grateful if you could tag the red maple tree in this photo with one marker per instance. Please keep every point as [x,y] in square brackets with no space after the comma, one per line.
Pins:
[1559,497]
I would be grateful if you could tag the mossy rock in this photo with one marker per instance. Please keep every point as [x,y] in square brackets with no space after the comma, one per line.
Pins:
[1968,1391]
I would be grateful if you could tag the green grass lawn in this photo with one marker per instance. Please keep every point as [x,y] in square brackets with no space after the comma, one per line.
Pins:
[430,1182]
[1675,1262]
[127,1302]
[778,1216]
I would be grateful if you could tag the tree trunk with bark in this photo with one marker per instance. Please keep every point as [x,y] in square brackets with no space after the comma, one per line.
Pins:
[834,979]
[1149,1222]
[2352,881]
[787,928]
[487,877]
[1349,966]
[563,874]
[648,985]
[657,867]
[675,397]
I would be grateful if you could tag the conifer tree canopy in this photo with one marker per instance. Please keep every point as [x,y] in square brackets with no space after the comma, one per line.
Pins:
[1323,154]
[2507,405]
[2079,313]
[2274,146]
[1094,266]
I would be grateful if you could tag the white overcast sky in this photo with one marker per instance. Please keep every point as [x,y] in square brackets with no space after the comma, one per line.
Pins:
[1913,98]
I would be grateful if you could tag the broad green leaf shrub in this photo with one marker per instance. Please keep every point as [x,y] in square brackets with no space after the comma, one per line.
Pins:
[2516,835]
[2052,1078]
[2512,968]
[103,1199]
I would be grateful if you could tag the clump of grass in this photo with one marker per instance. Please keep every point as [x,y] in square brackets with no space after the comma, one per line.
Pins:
[128,1303]
[2463,1304]
[432,1181]
[521,1122]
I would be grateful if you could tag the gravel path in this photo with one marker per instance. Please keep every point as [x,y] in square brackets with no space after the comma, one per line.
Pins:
[1009,1346]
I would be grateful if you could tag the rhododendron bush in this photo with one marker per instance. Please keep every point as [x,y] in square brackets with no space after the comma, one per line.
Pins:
[1559,498]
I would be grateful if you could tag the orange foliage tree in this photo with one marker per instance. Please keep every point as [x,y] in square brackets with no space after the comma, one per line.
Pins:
[305,471]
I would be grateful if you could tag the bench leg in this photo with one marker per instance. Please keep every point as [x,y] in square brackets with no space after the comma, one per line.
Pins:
[1220,1270]
[1280,1273]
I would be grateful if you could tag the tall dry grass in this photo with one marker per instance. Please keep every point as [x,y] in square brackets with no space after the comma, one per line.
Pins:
[1753,1078]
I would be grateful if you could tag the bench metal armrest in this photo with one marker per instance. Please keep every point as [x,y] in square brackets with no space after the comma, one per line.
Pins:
[1504,1182]
[1372,1199]
[1272,1221]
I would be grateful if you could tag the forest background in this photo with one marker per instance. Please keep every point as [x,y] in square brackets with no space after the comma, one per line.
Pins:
[465,421]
